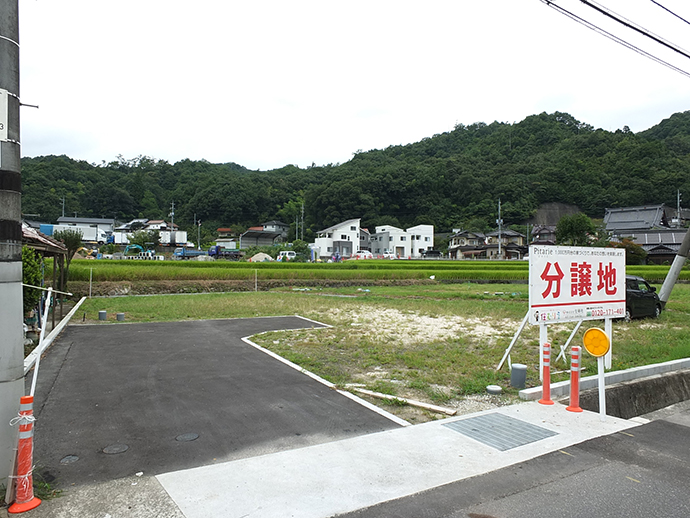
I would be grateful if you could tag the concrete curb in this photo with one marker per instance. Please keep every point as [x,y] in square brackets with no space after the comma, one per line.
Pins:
[562,388]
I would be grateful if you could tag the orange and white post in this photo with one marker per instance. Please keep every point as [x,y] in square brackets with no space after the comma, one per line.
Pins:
[574,380]
[546,376]
[25,499]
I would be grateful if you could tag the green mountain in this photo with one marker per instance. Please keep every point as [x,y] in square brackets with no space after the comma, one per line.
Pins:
[453,179]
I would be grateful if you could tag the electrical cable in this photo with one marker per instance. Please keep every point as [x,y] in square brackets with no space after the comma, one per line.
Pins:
[670,12]
[615,38]
[631,25]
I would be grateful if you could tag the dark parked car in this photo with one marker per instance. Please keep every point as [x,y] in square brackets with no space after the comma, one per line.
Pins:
[641,299]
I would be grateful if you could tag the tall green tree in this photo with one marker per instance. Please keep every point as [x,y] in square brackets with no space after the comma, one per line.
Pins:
[72,241]
[575,230]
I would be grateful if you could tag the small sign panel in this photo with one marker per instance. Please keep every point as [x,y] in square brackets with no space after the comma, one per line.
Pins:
[3,114]
[569,284]
[596,342]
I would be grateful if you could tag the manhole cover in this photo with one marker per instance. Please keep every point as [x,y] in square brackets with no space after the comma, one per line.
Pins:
[115,448]
[69,459]
[500,431]
[185,437]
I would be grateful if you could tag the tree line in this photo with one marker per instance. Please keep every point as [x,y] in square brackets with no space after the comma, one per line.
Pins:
[450,180]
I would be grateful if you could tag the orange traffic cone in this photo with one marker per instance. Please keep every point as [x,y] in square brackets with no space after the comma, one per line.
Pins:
[25,499]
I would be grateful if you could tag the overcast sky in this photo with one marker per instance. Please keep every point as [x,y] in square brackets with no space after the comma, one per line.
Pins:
[276,82]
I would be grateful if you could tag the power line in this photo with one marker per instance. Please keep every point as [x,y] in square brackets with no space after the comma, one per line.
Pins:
[637,28]
[613,37]
[671,12]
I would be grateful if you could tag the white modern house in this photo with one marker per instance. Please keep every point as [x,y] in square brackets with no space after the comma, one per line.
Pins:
[422,239]
[343,238]
[347,237]
[403,243]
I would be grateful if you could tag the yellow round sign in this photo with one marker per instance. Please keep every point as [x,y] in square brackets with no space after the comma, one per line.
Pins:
[596,342]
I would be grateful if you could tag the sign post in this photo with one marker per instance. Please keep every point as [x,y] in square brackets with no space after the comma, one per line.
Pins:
[573,284]
[598,344]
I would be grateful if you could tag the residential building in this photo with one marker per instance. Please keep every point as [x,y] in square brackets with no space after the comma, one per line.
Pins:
[224,233]
[390,239]
[543,235]
[364,239]
[277,227]
[477,245]
[645,217]
[661,245]
[343,238]
[347,237]
[647,226]
[421,239]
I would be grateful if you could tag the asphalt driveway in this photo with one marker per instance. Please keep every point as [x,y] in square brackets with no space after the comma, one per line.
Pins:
[167,396]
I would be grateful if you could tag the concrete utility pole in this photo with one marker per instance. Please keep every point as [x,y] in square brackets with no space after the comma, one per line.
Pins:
[499,221]
[674,271]
[11,341]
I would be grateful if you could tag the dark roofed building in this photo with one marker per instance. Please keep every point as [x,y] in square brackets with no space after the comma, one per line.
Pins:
[646,217]
[277,226]
[661,245]
[257,236]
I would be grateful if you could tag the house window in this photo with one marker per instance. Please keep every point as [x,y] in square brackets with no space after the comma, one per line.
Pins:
[419,237]
[353,228]
[343,237]
[329,249]
[427,239]
[390,238]
[403,238]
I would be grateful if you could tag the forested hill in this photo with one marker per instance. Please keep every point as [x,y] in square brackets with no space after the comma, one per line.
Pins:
[450,180]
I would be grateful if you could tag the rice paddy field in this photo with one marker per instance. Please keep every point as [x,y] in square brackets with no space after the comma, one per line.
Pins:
[424,330]
[372,270]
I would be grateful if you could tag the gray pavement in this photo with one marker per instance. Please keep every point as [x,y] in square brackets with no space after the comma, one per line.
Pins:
[527,460]
[145,385]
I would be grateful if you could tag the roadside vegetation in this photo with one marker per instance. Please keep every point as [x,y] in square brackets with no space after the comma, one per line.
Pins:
[433,342]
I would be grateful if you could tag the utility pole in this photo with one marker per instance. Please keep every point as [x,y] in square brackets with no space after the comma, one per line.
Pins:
[302,221]
[674,271]
[678,220]
[11,341]
[499,221]
[172,215]
[198,234]
[63,206]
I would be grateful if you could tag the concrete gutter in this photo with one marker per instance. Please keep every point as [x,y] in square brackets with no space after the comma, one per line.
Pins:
[562,388]
[30,360]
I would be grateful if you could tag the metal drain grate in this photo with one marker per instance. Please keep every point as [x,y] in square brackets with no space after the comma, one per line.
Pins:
[500,431]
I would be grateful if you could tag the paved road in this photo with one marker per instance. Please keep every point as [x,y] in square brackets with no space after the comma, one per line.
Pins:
[641,472]
[145,385]
[274,442]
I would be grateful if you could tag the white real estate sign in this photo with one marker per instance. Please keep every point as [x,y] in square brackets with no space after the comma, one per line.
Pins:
[568,283]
